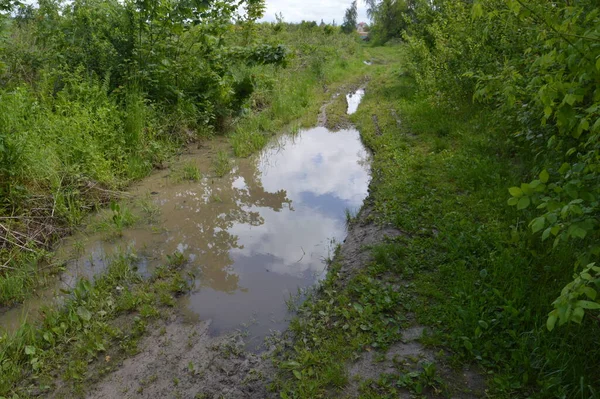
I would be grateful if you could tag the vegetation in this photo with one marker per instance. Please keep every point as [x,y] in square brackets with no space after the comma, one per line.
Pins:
[86,332]
[545,91]
[95,94]
[85,118]
[480,97]
[349,24]
[490,106]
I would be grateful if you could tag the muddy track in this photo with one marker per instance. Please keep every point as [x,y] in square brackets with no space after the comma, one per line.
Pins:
[181,359]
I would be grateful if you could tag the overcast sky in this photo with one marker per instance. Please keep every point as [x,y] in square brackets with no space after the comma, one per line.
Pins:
[312,10]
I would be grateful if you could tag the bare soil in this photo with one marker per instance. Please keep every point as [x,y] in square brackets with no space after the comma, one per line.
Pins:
[181,360]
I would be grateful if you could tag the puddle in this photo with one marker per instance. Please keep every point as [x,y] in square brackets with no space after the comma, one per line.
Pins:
[354,100]
[366,62]
[251,238]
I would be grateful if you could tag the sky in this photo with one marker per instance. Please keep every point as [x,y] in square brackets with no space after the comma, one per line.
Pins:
[312,10]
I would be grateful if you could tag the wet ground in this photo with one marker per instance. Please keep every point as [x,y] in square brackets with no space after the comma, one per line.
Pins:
[251,239]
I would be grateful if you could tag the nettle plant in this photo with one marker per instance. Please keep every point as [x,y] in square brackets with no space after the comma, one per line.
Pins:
[561,87]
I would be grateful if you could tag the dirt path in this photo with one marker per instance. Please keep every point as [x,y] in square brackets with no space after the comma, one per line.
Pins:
[181,360]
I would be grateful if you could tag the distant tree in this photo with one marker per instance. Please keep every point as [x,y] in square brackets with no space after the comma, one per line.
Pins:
[279,17]
[322,24]
[349,24]
[390,18]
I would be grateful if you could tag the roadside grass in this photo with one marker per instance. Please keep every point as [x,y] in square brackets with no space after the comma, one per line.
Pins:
[75,150]
[469,268]
[321,63]
[333,326]
[69,155]
[99,323]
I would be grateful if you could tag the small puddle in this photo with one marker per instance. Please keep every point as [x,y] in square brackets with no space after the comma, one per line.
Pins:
[366,62]
[252,238]
[354,100]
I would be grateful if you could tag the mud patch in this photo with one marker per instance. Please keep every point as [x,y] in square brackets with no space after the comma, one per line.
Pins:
[411,358]
[333,114]
[182,360]
[363,233]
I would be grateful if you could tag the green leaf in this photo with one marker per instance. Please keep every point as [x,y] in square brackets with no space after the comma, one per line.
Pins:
[551,322]
[513,201]
[290,365]
[577,231]
[526,188]
[589,292]
[544,176]
[587,304]
[538,223]
[515,192]
[84,314]
[297,374]
[523,203]
[577,315]
[546,233]
[477,10]
[29,350]
[468,345]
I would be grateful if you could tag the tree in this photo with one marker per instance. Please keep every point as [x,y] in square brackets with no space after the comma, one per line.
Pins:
[349,24]
[390,18]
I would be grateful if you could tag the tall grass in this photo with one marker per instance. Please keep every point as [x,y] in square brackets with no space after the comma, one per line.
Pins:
[59,156]
[485,286]
[320,62]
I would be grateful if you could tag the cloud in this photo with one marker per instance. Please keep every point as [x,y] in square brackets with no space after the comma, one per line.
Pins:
[312,10]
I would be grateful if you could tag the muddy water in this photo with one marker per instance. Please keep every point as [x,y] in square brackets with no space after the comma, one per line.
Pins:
[251,238]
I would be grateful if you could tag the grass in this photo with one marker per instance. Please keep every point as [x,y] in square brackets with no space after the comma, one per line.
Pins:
[469,269]
[290,98]
[74,150]
[337,117]
[99,319]
[118,217]
[222,164]
[350,215]
[187,172]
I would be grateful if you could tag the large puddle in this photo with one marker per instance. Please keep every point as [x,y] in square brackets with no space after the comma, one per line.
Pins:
[252,238]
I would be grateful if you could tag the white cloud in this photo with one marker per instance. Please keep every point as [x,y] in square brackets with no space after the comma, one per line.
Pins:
[312,10]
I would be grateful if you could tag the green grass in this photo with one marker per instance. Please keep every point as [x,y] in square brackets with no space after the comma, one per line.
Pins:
[222,163]
[286,99]
[337,113]
[469,268]
[104,317]
[188,171]
[74,148]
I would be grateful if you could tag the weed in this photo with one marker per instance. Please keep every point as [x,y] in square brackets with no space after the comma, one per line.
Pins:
[188,171]
[73,333]
[351,216]
[150,209]
[221,164]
